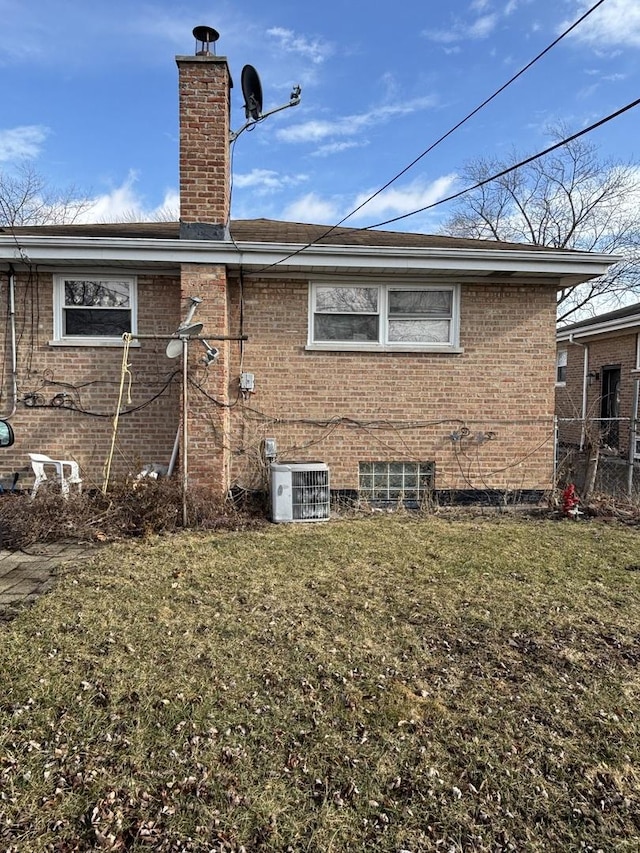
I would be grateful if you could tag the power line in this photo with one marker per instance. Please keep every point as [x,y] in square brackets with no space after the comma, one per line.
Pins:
[506,171]
[438,141]
[471,114]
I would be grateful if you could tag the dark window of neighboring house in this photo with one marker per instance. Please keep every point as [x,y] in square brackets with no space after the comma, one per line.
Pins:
[561,366]
[610,406]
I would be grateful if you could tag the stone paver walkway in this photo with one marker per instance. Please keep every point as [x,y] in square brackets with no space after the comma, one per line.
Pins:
[24,575]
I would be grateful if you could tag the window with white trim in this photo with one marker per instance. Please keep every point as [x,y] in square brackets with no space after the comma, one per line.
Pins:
[384,316]
[93,309]
[561,366]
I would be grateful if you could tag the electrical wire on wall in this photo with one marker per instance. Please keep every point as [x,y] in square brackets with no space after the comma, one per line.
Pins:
[37,400]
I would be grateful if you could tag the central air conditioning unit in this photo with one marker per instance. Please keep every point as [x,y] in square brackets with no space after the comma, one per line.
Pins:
[299,491]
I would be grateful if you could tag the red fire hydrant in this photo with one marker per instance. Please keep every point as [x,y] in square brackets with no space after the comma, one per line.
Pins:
[571,502]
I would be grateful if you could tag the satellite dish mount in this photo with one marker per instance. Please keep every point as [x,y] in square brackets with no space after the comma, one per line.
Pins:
[252,91]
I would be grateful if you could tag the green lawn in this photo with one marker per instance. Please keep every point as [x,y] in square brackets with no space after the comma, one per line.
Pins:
[389,684]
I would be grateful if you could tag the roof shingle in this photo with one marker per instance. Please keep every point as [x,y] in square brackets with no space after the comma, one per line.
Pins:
[274,231]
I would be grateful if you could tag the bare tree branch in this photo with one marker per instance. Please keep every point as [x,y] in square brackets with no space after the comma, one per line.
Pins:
[27,199]
[570,199]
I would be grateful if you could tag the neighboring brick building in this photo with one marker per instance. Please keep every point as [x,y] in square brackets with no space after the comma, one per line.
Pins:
[427,355]
[598,380]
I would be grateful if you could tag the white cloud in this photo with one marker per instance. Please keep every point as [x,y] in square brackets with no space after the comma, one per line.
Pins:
[483,27]
[478,29]
[124,204]
[317,130]
[19,143]
[479,5]
[615,23]
[399,200]
[264,181]
[512,5]
[394,201]
[312,208]
[337,147]
[444,36]
[314,49]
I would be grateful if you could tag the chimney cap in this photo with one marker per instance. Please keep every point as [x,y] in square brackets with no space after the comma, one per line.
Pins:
[205,36]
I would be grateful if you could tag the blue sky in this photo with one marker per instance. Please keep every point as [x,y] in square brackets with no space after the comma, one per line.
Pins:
[89,96]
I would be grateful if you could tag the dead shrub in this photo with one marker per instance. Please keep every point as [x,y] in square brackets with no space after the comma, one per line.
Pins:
[131,508]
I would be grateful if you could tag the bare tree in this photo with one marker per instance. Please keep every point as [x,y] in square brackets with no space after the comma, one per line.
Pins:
[570,199]
[27,199]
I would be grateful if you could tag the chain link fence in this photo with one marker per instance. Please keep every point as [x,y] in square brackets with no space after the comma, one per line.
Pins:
[599,455]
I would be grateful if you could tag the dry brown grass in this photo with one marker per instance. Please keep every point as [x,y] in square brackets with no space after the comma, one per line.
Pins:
[390,684]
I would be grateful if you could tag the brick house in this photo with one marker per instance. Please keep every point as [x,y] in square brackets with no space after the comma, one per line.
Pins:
[598,381]
[428,357]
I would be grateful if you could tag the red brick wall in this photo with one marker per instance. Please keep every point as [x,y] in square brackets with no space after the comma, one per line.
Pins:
[204,139]
[611,350]
[340,408]
[208,411]
[401,406]
[91,377]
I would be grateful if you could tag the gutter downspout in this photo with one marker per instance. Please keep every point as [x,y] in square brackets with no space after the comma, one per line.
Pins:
[14,355]
[585,385]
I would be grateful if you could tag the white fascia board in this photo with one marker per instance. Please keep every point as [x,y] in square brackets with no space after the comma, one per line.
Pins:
[58,250]
[583,265]
[619,325]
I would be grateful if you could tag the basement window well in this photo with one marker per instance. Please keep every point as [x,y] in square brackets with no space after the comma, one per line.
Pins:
[93,310]
[393,483]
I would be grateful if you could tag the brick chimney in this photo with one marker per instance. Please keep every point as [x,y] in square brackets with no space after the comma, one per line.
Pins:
[205,85]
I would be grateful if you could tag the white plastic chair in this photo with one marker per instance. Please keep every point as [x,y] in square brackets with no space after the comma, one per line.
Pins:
[39,461]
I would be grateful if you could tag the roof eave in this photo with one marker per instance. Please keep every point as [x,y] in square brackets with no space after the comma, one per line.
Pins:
[594,329]
[56,250]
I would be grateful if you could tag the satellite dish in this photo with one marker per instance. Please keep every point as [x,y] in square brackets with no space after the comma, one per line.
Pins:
[252,91]
[174,347]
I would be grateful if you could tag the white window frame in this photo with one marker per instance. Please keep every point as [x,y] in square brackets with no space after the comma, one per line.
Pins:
[60,339]
[382,344]
[562,360]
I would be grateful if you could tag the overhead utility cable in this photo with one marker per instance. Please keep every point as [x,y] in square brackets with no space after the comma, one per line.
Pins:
[506,171]
[441,138]
[470,115]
